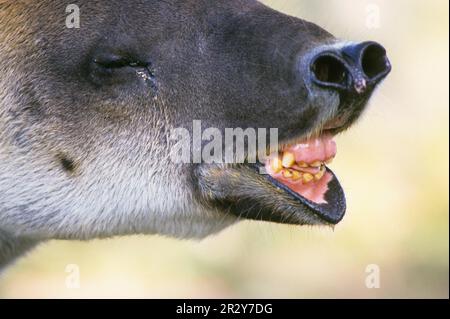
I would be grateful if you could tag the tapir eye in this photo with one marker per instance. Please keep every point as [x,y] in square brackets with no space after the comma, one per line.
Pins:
[110,69]
[116,62]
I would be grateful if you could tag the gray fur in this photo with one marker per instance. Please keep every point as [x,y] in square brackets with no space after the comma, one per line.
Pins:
[86,154]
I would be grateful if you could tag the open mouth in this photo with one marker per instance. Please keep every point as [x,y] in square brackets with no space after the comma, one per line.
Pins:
[298,187]
[301,170]
[302,167]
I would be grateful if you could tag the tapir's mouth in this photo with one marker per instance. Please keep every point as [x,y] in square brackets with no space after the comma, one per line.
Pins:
[300,169]
[294,186]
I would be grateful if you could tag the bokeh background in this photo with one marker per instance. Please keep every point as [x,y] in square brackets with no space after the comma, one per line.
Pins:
[393,165]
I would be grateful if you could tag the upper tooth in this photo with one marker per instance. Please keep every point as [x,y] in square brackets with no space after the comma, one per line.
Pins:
[329,161]
[302,165]
[316,164]
[276,165]
[288,159]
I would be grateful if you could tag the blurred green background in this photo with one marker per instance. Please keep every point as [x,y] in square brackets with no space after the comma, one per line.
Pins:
[393,165]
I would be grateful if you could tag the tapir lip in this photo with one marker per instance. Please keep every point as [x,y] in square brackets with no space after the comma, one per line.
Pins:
[332,212]
[241,190]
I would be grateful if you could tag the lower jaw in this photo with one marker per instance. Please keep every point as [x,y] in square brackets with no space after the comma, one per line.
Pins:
[242,191]
[326,197]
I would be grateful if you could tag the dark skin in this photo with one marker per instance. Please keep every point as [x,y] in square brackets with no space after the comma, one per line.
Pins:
[218,52]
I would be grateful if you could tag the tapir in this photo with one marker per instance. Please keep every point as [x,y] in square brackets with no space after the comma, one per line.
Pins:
[92,93]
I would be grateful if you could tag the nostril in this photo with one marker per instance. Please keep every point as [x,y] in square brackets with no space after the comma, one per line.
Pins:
[329,71]
[374,61]
[354,68]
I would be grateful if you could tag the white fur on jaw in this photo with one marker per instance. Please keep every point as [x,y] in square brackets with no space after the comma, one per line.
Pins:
[41,205]
[113,201]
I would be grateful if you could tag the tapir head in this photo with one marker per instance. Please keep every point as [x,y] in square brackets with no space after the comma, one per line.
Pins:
[91,95]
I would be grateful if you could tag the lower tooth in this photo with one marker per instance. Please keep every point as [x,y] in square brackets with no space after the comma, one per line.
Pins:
[307,177]
[287,173]
[296,176]
[319,175]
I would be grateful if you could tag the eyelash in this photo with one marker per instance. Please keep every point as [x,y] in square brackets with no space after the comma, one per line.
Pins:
[110,66]
[121,63]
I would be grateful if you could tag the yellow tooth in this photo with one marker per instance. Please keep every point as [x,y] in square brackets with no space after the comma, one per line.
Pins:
[276,165]
[287,173]
[316,164]
[288,159]
[329,161]
[319,175]
[307,178]
[302,165]
[296,175]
